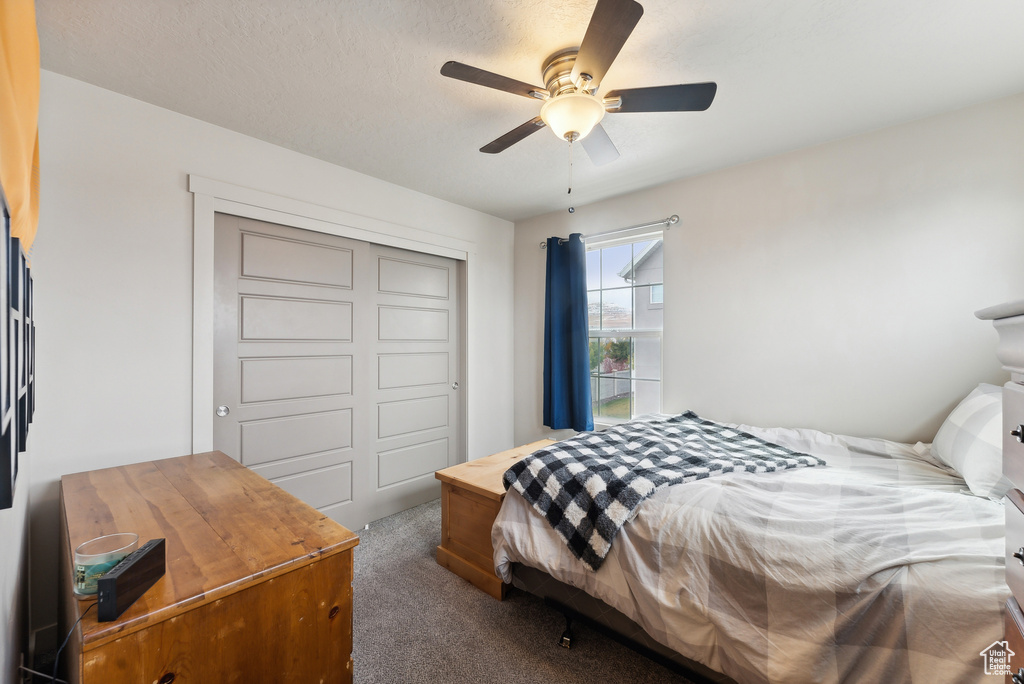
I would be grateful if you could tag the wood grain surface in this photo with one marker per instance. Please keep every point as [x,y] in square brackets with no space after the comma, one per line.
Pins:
[483,475]
[471,494]
[258,584]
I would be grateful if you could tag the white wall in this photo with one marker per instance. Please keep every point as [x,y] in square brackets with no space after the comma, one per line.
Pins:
[13,575]
[832,287]
[113,273]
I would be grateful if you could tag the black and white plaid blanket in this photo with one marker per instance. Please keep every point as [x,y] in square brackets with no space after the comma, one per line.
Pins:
[589,486]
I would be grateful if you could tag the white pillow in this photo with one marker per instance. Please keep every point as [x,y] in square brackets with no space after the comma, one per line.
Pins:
[970,441]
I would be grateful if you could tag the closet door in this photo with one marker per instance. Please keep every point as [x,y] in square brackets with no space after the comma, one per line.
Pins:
[290,402]
[415,379]
[334,366]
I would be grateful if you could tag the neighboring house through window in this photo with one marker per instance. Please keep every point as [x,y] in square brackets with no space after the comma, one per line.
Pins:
[625,297]
[657,294]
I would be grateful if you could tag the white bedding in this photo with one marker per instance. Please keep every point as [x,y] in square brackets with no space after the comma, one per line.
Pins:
[881,567]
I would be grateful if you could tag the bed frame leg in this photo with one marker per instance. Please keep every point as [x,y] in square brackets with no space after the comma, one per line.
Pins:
[566,639]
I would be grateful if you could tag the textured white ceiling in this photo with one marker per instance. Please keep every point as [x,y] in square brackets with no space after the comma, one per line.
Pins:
[357,83]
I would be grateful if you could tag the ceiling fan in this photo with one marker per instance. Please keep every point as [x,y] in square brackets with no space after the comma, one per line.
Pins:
[572,77]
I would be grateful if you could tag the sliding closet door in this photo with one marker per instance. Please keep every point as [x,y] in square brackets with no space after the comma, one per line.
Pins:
[286,343]
[415,383]
[328,375]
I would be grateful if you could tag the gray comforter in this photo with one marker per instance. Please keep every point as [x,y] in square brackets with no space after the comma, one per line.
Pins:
[879,568]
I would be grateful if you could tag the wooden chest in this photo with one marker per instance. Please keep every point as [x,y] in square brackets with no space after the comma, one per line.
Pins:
[258,584]
[471,494]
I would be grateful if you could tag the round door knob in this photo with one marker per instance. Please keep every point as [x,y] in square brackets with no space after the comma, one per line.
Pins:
[223,411]
[1019,555]
[455,385]
[1018,433]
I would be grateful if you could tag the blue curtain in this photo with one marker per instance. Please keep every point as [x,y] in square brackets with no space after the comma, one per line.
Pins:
[566,338]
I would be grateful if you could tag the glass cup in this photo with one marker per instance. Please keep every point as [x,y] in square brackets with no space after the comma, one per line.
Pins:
[98,556]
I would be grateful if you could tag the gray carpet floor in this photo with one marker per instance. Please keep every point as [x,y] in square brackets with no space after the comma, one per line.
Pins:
[417,622]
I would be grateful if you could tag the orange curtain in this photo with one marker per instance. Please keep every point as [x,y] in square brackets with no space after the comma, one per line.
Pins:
[19,116]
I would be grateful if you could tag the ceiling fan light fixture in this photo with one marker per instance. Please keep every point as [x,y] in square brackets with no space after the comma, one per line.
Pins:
[572,77]
[572,115]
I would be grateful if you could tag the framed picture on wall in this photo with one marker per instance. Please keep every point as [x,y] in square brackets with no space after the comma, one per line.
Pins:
[31,331]
[5,306]
[17,356]
[8,452]
[14,328]
[21,392]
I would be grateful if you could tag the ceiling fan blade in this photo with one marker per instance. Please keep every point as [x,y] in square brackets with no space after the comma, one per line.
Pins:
[599,146]
[609,28]
[692,97]
[512,137]
[464,72]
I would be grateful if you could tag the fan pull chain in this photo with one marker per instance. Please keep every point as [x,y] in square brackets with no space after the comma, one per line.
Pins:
[572,209]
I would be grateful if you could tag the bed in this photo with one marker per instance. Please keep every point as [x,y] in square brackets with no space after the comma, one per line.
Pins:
[881,566]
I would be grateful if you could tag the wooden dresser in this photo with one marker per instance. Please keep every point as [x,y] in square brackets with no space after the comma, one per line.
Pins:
[1008,320]
[471,494]
[258,585]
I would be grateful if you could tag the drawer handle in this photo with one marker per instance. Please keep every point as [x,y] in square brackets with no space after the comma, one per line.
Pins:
[1019,555]
[1019,434]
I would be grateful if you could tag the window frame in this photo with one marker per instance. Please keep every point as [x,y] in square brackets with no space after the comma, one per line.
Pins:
[633,333]
[660,289]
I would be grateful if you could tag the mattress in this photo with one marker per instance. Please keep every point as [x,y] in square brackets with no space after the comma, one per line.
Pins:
[879,567]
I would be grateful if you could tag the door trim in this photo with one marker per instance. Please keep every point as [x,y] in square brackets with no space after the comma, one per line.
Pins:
[212,196]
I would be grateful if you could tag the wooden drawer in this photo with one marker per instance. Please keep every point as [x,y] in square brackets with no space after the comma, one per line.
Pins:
[1013,418]
[1015,543]
[1014,639]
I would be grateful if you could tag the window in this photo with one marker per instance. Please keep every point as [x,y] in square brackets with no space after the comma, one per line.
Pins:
[624,303]
[657,294]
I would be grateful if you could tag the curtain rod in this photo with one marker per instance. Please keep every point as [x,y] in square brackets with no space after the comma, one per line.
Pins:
[667,222]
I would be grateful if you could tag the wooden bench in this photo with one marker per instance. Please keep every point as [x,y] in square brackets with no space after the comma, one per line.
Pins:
[471,494]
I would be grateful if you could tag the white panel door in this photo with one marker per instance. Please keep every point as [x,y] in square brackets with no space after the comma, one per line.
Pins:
[287,344]
[415,375]
[335,366]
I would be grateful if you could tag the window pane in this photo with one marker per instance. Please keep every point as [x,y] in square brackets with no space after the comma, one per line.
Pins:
[646,397]
[649,267]
[616,398]
[625,294]
[616,356]
[614,260]
[594,269]
[595,354]
[657,294]
[617,309]
[646,316]
[647,358]
[594,310]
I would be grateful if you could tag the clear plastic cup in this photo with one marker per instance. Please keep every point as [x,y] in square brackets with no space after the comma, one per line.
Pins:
[98,556]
